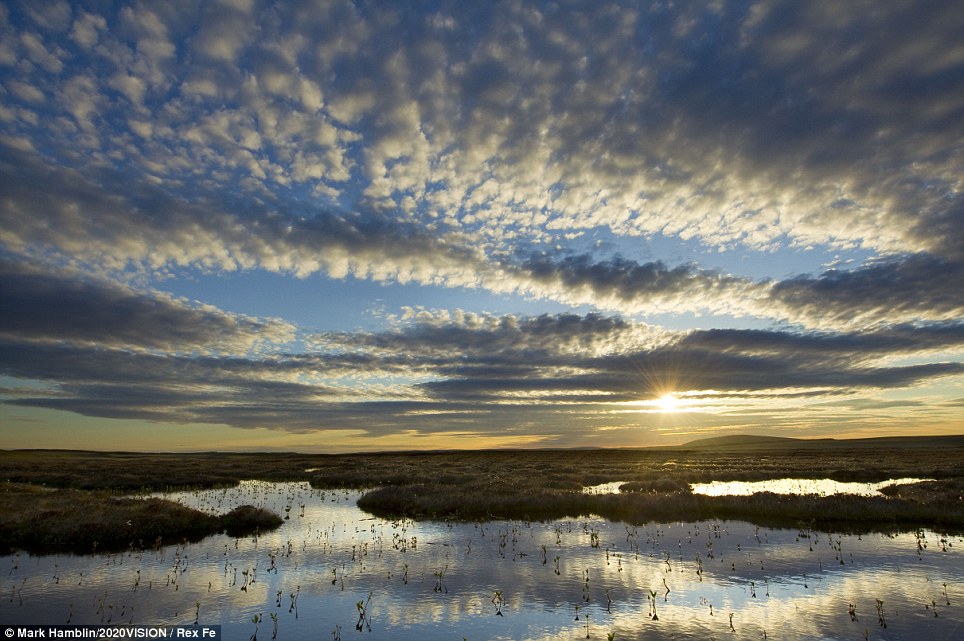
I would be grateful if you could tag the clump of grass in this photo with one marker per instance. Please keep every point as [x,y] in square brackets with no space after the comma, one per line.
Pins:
[948,491]
[248,519]
[471,503]
[844,513]
[41,520]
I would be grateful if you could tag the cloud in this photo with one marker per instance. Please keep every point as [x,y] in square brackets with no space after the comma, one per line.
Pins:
[167,388]
[736,362]
[156,230]
[717,124]
[27,93]
[149,227]
[225,31]
[524,340]
[479,373]
[72,308]
[863,345]
[633,287]
[919,287]
[54,16]
[37,52]
[897,290]
[87,28]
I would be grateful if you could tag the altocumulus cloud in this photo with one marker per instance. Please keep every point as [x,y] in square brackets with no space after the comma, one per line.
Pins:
[153,230]
[479,147]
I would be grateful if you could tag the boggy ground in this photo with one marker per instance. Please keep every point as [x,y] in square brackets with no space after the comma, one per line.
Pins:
[535,485]
[42,520]
[546,485]
[67,501]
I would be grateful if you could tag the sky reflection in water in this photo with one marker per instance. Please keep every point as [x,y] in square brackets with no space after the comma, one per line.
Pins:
[437,580]
[821,487]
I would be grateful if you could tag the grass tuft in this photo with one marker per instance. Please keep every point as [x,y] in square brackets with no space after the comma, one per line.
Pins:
[43,521]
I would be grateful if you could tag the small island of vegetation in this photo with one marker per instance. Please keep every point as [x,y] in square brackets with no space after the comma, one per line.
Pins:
[42,520]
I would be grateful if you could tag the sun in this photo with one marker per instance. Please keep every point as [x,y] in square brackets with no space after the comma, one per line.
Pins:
[668,403]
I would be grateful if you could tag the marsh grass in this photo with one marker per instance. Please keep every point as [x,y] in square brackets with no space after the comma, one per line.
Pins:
[842,513]
[41,520]
[643,470]
[476,485]
[545,485]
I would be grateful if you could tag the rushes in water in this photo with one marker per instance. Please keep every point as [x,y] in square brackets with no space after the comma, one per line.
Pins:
[498,601]
[364,622]
[256,620]
[880,614]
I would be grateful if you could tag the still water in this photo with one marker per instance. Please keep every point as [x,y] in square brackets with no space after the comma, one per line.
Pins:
[556,580]
[820,487]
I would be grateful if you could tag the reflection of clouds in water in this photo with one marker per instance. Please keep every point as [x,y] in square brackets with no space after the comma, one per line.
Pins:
[477,559]
[794,611]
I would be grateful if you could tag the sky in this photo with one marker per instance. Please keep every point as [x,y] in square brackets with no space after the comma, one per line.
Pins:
[331,226]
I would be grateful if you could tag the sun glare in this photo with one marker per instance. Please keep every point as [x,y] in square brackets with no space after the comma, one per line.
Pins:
[668,403]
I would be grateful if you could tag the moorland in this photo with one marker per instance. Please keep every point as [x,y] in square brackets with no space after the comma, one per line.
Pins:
[78,501]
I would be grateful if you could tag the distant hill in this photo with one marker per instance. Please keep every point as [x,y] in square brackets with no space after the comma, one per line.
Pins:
[755,442]
[740,441]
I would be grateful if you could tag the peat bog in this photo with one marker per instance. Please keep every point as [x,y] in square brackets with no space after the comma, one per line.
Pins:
[67,500]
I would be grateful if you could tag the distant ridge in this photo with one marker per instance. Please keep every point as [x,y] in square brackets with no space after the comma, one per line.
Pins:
[756,442]
[743,440]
